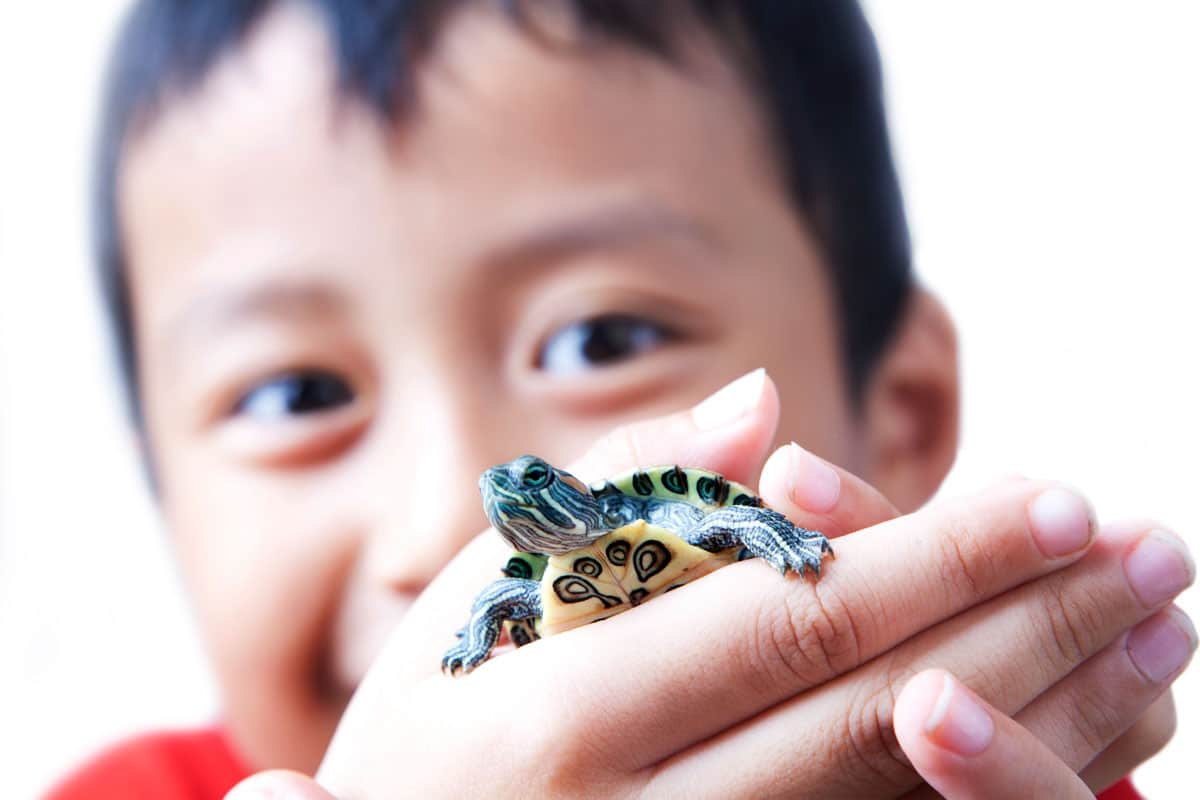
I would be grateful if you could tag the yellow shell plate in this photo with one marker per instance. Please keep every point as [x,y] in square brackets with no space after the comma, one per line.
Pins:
[619,570]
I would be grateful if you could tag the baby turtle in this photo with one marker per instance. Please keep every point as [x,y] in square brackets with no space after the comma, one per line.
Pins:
[584,554]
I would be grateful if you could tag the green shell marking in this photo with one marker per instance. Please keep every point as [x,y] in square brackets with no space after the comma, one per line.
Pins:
[697,487]
[530,566]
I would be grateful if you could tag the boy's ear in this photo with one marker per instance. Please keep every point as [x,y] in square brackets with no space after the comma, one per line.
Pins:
[911,406]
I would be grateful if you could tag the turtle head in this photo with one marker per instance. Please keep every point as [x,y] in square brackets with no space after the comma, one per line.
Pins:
[540,509]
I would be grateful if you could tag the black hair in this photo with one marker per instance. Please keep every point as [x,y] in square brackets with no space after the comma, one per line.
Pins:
[813,63]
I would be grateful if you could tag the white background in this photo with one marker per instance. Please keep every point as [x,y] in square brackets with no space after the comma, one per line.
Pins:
[1048,151]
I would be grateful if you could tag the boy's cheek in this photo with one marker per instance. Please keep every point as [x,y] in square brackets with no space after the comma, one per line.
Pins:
[364,616]
[267,570]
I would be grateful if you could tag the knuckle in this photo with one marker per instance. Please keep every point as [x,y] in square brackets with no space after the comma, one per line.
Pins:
[1095,723]
[968,565]
[1069,618]
[873,752]
[807,639]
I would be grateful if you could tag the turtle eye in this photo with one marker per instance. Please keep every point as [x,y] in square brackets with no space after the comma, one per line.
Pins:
[536,476]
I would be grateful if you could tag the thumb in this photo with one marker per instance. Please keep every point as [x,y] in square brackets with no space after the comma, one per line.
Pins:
[966,750]
[278,785]
[729,432]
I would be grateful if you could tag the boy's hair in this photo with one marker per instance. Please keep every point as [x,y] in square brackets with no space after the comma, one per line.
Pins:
[813,64]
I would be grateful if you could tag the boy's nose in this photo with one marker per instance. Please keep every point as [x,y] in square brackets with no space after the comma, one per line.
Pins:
[408,554]
[429,503]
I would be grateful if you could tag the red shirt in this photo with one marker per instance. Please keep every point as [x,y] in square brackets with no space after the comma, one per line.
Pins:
[179,765]
[200,765]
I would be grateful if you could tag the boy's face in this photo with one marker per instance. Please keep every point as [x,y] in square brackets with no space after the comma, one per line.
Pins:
[340,324]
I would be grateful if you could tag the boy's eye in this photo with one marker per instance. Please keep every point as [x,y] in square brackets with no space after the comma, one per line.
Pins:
[600,341]
[293,393]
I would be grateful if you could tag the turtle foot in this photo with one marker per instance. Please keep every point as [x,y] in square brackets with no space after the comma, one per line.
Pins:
[764,534]
[462,658]
[507,598]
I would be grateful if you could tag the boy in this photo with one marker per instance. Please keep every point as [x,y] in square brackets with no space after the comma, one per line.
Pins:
[359,252]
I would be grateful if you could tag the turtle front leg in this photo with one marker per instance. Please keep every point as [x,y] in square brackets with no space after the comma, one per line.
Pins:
[765,534]
[506,598]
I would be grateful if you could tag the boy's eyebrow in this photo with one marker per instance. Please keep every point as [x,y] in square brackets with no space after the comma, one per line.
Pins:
[597,228]
[606,227]
[294,297]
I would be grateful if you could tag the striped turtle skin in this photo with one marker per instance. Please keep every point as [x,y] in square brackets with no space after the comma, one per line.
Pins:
[582,554]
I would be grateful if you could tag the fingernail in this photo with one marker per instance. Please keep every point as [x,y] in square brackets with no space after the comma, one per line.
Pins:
[957,722]
[730,403]
[254,789]
[815,485]
[1159,568]
[1061,522]
[251,793]
[1161,645]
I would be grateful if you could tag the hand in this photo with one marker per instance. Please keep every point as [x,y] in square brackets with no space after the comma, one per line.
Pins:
[794,697]
[966,749]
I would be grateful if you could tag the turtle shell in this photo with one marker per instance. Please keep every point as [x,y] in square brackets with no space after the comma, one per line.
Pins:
[632,564]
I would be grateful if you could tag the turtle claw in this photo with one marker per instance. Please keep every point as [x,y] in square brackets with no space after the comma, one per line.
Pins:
[459,659]
[803,550]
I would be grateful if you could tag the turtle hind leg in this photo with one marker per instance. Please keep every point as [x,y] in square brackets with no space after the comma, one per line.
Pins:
[764,534]
[506,598]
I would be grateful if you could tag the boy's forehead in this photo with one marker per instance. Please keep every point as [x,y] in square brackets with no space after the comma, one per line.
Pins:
[266,161]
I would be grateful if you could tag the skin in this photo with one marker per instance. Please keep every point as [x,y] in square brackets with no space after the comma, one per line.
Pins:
[434,272]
